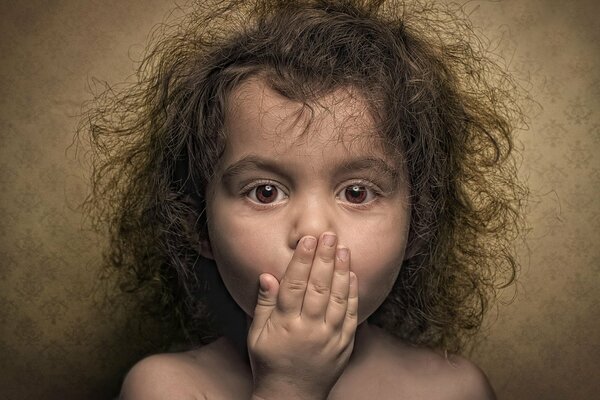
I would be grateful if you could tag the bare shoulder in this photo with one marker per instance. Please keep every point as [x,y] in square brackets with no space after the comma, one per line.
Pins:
[426,373]
[174,376]
[455,377]
[198,374]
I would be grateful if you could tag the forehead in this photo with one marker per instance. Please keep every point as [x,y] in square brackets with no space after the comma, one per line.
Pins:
[257,114]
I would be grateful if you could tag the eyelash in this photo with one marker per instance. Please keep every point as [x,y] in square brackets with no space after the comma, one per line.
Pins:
[376,193]
[247,190]
[374,190]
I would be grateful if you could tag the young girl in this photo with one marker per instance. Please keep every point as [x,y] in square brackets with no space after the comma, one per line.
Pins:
[319,191]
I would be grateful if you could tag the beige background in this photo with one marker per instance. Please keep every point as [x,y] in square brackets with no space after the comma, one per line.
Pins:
[55,343]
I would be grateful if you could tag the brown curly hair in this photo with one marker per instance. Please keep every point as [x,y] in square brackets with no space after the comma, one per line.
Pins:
[440,102]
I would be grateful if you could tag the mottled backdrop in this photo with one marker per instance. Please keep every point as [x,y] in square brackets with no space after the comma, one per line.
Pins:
[56,343]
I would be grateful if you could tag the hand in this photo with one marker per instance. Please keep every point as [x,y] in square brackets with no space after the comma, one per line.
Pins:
[303,329]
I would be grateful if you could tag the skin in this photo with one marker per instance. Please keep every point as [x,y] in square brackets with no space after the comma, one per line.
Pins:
[319,214]
[310,172]
[285,183]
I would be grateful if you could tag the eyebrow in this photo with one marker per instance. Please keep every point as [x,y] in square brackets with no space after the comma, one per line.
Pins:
[251,162]
[371,163]
[254,162]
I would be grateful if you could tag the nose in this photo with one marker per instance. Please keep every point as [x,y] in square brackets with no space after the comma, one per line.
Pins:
[310,216]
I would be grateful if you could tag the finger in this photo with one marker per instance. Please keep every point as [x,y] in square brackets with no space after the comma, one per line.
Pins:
[338,299]
[319,281]
[294,282]
[351,318]
[265,304]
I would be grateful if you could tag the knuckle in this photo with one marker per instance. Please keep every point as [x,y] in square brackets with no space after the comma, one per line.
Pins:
[320,288]
[352,313]
[338,298]
[295,285]
[304,259]
[342,274]
[264,302]
[325,258]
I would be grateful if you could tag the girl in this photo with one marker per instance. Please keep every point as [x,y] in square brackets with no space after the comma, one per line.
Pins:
[321,192]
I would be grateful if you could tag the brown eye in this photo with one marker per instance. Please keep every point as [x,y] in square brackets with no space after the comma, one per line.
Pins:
[355,194]
[266,193]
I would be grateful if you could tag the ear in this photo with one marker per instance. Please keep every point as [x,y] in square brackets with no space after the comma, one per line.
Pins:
[206,249]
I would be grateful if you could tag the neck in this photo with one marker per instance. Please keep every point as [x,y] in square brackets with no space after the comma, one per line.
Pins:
[363,342]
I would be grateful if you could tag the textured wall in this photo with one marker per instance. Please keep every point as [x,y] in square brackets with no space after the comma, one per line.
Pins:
[56,343]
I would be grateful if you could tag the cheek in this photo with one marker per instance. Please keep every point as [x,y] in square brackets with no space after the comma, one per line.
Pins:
[376,261]
[374,286]
[242,254]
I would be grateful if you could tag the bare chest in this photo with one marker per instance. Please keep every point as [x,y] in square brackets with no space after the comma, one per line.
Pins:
[355,384]
[359,389]
[367,383]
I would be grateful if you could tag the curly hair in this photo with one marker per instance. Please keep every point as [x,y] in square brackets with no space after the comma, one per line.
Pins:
[441,103]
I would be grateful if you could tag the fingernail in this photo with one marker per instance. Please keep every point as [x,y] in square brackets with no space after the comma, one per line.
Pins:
[309,243]
[329,240]
[342,253]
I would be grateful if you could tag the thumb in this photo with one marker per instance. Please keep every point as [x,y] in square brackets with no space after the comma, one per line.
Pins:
[266,302]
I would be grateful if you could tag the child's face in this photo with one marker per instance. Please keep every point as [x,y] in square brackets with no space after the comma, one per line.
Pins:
[276,183]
